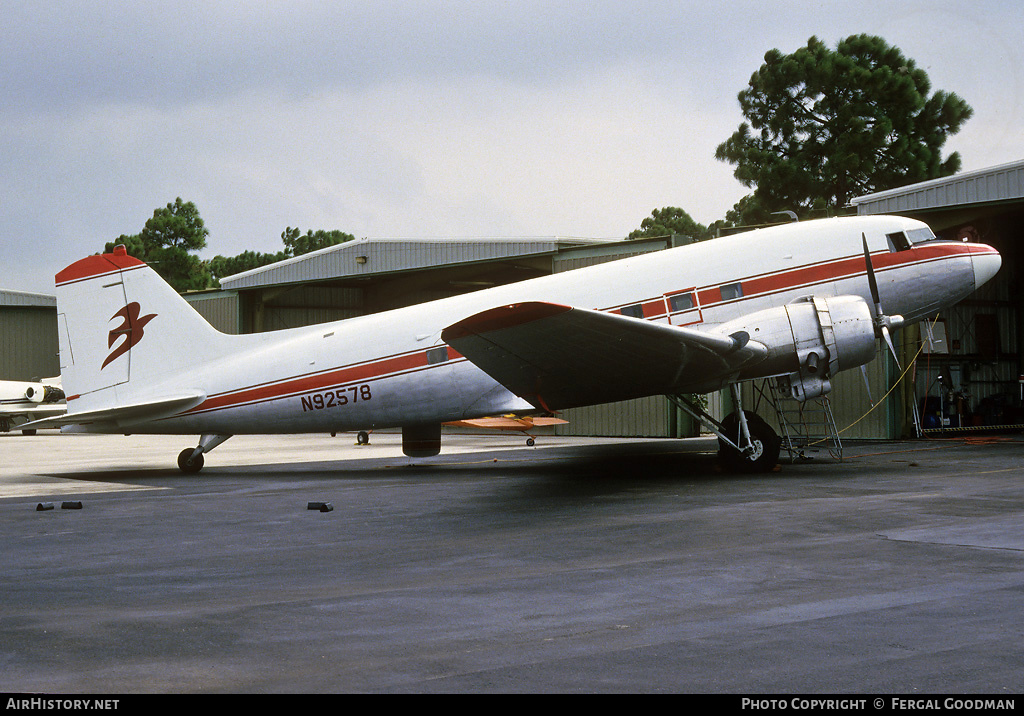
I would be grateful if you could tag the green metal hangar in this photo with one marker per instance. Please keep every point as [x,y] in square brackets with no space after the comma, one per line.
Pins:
[969,373]
[28,336]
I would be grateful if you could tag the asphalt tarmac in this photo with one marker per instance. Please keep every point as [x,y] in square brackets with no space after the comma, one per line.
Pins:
[626,566]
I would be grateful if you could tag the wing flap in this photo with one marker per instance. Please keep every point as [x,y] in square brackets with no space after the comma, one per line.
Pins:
[560,357]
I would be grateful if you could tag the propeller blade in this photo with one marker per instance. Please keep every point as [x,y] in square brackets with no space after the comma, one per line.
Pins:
[867,383]
[892,348]
[882,322]
[872,284]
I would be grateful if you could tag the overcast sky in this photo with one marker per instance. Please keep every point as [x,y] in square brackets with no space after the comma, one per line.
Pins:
[421,119]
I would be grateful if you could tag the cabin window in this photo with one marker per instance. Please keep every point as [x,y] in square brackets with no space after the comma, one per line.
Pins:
[437,355]
[634,311]
[681,302]
[731,291]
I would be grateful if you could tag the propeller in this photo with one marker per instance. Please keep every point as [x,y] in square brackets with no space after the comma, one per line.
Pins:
[867,383]
[884,324]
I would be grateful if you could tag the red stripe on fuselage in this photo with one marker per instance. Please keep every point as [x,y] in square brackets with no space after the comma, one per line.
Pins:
[314,382]
[754,287]
[760,285]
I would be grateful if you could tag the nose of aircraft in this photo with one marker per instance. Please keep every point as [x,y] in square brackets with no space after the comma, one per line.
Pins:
[986,261]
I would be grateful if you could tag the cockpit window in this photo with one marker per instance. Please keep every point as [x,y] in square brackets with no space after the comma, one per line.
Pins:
[919,236]
[903,240]
[898,241]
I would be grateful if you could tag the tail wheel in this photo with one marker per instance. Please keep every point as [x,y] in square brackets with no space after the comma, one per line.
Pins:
[190,464]
[766,444]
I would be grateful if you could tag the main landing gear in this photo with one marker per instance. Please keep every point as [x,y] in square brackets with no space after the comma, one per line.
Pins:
[191,460]
[762,446]
[746,443]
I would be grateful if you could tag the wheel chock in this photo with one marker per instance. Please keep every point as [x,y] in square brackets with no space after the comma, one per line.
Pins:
[44,506]
[322,506]
[75,505]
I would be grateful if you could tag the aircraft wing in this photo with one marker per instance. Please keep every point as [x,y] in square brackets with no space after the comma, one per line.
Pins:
[124,415]
[560,357]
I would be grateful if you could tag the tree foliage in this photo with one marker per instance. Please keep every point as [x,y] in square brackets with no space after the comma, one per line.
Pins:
[826,125]
[170,239]
[167,242]
[297,244]
[222,266]
[668,221]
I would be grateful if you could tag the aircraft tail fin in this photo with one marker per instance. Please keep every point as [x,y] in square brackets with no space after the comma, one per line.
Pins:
[123,331]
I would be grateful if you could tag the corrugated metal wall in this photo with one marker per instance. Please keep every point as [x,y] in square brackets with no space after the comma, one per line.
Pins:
[1002,183]
[221,310]
[308,305]
[366,257]
[299,306]
[646,417]
[28,343]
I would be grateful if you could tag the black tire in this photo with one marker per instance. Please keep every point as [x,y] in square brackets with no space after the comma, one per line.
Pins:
[766,445]
[362,438]
[189,464]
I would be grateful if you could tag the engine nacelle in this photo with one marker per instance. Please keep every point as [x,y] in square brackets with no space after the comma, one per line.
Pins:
[810,340]
[16,392]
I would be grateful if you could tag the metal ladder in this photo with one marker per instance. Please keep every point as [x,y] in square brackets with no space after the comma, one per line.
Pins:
[804,428]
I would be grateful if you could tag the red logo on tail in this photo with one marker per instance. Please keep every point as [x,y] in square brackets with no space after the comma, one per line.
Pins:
[130,329]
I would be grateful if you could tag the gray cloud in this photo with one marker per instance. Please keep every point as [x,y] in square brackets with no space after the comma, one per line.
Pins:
[419,118]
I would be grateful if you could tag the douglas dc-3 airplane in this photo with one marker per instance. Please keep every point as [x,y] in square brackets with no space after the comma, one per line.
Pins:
[798,302]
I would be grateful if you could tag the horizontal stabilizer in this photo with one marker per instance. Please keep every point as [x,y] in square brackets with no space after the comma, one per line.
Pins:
[562,357]
[125,415]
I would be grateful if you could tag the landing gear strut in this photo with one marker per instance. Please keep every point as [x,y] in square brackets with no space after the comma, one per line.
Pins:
[746,443]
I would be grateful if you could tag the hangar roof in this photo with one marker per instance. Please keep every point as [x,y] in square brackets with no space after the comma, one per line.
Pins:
[366,257]
[994,185]
[24,299]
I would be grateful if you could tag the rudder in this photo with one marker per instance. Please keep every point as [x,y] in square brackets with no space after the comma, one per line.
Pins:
[122,329]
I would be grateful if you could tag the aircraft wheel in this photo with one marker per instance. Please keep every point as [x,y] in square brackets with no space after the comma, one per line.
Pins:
[530,442]
[766,445]
[187,464]
[362,438]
